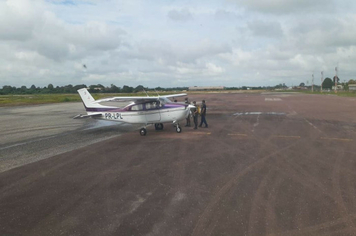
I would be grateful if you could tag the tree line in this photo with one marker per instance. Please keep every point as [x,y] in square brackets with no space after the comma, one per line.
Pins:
[98,88]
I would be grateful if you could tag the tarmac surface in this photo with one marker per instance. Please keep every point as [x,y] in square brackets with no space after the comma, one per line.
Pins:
[268,164]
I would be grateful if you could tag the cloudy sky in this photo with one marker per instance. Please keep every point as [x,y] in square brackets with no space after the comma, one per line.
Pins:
[171,43]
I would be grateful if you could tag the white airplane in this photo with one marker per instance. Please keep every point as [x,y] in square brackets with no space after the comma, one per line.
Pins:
[141,110]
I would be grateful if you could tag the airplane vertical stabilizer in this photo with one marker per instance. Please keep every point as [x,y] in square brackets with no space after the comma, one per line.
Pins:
[88,100]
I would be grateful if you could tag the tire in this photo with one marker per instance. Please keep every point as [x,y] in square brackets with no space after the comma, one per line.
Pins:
[178,129]
[143,132]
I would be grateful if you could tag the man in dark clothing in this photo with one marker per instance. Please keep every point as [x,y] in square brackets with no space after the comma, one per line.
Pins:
[203,113]
[188,117]
[195,114]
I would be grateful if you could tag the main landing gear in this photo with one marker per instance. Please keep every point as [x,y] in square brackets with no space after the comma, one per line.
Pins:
[159,126]
[143,132]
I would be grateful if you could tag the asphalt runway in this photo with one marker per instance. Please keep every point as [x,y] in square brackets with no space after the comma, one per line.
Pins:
[269,164]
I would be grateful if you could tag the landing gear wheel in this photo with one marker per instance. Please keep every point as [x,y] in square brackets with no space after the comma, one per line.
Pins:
[143,132]
[178,129]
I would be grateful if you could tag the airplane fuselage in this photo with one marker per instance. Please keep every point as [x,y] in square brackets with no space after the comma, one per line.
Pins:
[164,114]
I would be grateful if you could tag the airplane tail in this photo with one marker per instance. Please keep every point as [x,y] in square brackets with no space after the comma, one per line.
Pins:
[88,100]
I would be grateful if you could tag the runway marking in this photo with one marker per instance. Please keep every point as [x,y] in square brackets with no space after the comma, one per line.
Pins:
[202,133]
[272,99]
[237,134]
[312,125]
[285,136]
[256,124]
[337,139]
[259,113]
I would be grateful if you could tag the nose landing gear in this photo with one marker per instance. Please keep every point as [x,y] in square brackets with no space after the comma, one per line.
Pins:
[178,129]
[143,132]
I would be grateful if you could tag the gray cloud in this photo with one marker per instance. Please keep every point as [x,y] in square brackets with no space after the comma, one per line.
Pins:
[180,15]
[222,14]
[285,6]
[265,29]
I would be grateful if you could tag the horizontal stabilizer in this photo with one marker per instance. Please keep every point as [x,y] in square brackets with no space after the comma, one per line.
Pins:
[81,116]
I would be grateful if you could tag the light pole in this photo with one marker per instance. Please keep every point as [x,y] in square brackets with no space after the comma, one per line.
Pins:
[335,79]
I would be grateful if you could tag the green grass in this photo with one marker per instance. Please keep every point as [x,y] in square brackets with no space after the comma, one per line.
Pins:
[339,93]
[34,99]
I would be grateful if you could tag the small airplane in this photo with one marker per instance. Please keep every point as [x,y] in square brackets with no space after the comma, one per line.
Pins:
[141,110]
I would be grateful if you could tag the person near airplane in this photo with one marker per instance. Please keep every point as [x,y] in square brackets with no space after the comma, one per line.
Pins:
[203,114]
[195,113]
[188,117]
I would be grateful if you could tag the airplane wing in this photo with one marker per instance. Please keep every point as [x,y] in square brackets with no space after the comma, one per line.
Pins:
[175,95]
[123,99]
[134,99]
[81,116]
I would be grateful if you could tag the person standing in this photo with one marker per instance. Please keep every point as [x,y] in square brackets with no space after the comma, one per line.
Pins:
[195,113]
[188,117]
[203,114]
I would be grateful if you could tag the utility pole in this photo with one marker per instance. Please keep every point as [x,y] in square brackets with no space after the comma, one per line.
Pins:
[335,79]
[322,79]
[312,82]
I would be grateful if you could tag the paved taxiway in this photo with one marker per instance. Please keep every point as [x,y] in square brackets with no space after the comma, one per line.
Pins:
[269,164]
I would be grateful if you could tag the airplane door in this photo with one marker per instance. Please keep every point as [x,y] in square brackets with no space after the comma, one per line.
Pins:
[153,114]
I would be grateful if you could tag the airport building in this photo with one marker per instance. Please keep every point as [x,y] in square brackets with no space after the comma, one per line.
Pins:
[352,87]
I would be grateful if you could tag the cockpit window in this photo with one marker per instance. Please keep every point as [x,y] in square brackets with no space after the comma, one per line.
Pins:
[137,107]
[164,100]
[152,105]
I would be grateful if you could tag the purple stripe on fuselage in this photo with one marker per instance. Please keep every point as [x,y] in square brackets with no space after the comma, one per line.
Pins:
[127,109]
[103,109]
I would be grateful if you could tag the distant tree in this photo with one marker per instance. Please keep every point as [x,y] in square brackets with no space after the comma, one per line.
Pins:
[127,89]
[328,83]
[336,78]
[139,88]
[159,89]
[302,84]
[50,87]
[6,89]
[280,86]
[113,89]
[351,81]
